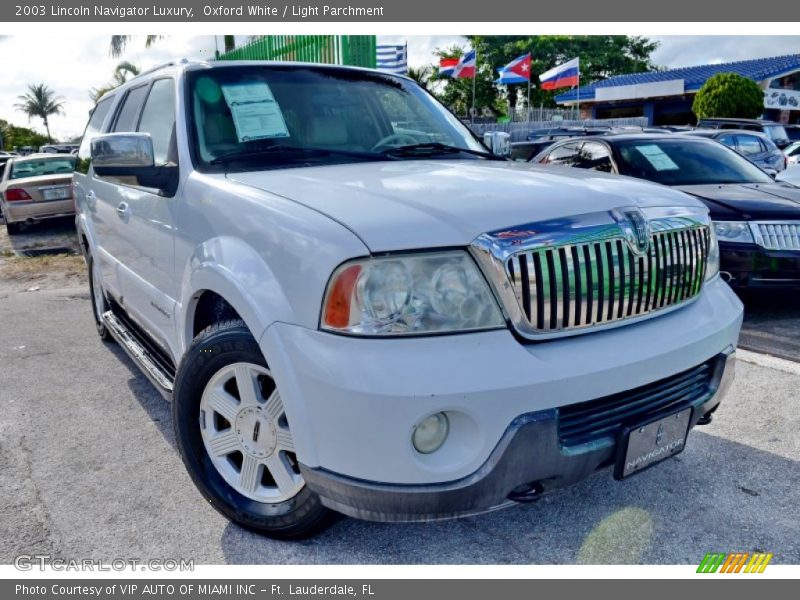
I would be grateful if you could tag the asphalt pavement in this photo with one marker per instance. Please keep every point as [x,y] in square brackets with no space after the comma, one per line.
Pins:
[88,469]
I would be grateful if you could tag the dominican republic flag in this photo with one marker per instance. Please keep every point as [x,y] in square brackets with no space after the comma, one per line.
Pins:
[517,71]
[391,58]
[447,67]
[566,75]
[465,69]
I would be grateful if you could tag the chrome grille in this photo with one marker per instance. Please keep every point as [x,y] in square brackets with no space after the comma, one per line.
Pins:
[778,235]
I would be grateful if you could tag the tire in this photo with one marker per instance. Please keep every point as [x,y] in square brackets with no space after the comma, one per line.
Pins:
[237,446]
[13,228]
[99,303]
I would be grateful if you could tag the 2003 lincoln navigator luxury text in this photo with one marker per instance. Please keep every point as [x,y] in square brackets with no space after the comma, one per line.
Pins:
[356,307]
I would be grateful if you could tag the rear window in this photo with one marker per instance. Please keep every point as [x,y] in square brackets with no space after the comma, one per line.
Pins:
[42,166]
[776,133]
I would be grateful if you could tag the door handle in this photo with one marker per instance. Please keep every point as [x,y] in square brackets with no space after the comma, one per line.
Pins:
[91,199]
[123,210]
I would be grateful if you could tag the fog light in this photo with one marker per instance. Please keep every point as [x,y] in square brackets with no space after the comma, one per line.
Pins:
[430,433]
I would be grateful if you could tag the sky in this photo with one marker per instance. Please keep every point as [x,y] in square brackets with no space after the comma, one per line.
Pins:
[73,65]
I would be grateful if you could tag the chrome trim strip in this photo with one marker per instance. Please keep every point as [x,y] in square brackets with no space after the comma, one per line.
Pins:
[776,235]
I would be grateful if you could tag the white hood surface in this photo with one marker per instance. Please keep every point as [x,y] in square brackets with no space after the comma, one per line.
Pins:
[413,204]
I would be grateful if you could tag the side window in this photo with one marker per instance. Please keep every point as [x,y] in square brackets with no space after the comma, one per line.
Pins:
[595,156]
[748,144]
[126,117]
[728,140]
[158,119]
[93,128]
[565,156]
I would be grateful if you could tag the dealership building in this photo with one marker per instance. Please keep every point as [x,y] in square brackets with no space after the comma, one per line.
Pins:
[665,97]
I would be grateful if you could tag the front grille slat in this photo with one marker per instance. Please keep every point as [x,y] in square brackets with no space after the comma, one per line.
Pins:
[778,235]
[590,421]
[579,284]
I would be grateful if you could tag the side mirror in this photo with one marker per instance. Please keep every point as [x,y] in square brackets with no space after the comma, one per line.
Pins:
[771,172]
[128,158]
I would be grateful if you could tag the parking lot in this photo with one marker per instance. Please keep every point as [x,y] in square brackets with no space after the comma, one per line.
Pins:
[89,467]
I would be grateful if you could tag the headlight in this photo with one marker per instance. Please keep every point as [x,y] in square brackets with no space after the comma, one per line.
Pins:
[733,231]
[409,294]
[712,262]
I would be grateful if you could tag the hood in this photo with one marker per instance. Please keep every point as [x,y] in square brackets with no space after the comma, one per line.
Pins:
[773,201]
[411,204]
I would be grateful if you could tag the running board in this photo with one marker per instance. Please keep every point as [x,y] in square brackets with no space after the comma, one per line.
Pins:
[141,356]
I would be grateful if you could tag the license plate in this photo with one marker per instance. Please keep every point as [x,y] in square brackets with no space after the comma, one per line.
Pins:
[648,443]
[55,194]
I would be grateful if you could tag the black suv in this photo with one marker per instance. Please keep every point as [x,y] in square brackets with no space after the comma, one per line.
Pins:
[775,131]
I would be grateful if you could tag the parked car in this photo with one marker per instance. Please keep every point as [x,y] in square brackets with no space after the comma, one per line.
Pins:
[792,152]
[390,323]
[755,147]
[792,132]
[539,139]
[790,175]
[775,131]
[36,187]
[756,219]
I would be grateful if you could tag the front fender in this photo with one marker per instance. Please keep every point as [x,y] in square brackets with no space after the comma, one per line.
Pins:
[230,268]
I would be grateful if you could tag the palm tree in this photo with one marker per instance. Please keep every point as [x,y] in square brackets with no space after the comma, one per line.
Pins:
[120,42]
[40,101]
[121,73]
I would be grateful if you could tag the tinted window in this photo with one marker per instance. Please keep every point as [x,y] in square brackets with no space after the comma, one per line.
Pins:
[158,118]
[673,162]
[749,145]
[41,166]
[729,140]
[126,118]
[566,155]
[595,156]
[93,128]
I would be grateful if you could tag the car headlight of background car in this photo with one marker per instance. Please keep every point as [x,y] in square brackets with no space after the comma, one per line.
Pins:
[410,294]
[733,231]
[712,262]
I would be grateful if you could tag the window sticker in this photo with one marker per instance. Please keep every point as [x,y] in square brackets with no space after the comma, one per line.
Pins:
[256,114]
[657,158]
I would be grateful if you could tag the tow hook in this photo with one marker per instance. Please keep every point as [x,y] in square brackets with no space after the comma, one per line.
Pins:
[527,493]
[705,419]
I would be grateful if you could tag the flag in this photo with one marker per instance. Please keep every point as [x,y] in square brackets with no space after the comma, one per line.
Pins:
[391,58]
[447,67]
[566,75]
[517,71]
[465,69]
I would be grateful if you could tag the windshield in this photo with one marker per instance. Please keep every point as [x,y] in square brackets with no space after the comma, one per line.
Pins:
[776,133]
[686,162]
[241,117]
[41,166]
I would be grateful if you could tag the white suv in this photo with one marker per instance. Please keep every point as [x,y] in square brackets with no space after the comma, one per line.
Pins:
[354,306]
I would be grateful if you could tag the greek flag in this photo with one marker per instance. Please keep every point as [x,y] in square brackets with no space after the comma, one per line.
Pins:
[393,59]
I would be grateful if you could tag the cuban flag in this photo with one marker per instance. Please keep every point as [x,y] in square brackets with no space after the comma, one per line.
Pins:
[447,67]
[465,69]
[517,71]
[391,58]
[566,75]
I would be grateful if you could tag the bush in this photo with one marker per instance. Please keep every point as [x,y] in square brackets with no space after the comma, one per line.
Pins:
[729,95]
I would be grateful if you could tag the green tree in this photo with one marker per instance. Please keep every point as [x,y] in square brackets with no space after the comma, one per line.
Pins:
[16,137]
[122,71]
[120,42]
[422,75]
[457,93]
[40,101]
[729,95]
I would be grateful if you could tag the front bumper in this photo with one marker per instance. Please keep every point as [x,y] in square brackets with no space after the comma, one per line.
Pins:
[751,266]
[528,458]
[352,405]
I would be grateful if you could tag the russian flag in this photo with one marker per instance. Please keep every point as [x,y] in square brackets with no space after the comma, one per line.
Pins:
[517,71]
[566,75]
[465,69]
[447,67]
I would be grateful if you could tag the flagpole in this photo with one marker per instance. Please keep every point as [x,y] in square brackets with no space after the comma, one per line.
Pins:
[578,100]
[529,97]
[474,80]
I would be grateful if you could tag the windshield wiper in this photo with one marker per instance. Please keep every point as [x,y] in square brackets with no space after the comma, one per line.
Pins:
[290,151]
[436,149]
